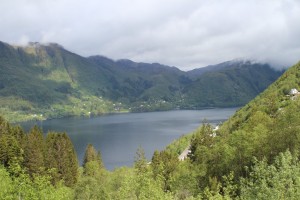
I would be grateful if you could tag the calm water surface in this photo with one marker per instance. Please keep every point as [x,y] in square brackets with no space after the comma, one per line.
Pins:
[118,136]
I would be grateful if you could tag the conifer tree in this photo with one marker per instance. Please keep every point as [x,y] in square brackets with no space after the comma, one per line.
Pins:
[140,161]
[51,163]
[71,170]
[156,163]
[5,127]
[163,165]
[203,137]
[92,161]
[61,156]
[34,151]
[10,150]
[19,134]
[91,154]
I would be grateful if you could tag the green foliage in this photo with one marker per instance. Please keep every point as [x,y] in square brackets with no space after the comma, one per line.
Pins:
[279,180]
[6,185]
[228,84]
[203,138]
[92,161]
[29,171]
[10,150]
[34,151]
[61,156]
[243,159]
[180,144]
[10,143]
[264,128]
[140,161]
[39,82]
[147,188]
[23,187]
[183,181]
[163,165]
[91,188]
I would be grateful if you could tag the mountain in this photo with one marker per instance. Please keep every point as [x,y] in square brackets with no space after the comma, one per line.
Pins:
[259,142]
[252,155]
[280,101]
[232,83]
[138,82]
[39,81]
[195,73]
[49,81]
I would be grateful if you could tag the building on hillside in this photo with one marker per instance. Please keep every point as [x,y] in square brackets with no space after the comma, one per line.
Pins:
[294,92]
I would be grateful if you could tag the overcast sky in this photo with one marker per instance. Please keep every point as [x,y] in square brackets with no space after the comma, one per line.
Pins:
[182,33]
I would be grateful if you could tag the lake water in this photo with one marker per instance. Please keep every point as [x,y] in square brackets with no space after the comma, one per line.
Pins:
[118,136]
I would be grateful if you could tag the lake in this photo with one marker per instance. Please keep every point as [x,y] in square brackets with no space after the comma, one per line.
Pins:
[118,136]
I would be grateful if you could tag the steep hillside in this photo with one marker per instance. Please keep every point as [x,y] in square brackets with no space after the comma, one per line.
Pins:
[139,82]
[40,81]
[228,84]
[265,128]
[195,73]
[273,101]
[253,155]
[232,83]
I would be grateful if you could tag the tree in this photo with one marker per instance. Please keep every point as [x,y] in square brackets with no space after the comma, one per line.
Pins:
[36,186]
[163,165]
[183,181]
[156,164]
[279,180]
[91,188]
[6,185]
[61,156]
[92,161]
[34,151]
[5,127]
[10,147]
[140,161]
[10,150]
[202,137]
[19,134]
[51,154]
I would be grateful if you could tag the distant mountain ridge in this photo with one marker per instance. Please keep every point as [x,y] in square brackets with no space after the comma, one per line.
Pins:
[41,81]
[230,83]
[221,66]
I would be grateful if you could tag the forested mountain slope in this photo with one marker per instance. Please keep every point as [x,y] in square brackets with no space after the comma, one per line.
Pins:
[228,84]
[253,155]
[258,135]
[40,81]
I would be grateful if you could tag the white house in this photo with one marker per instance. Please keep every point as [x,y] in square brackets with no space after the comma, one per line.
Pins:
[294,91]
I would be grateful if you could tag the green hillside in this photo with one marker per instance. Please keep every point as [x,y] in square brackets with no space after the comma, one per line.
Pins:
[47,81]
[228,84]
[253,155]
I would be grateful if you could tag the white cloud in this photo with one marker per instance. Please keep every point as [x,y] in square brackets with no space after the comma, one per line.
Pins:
[183,33]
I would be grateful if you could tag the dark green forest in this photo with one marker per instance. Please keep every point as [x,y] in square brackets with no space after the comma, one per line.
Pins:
[44,81]
[253,155]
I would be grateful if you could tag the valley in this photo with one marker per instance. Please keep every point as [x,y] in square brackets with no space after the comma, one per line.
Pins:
[45,81]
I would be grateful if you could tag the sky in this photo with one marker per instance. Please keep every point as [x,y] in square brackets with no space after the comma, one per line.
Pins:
[187,34]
